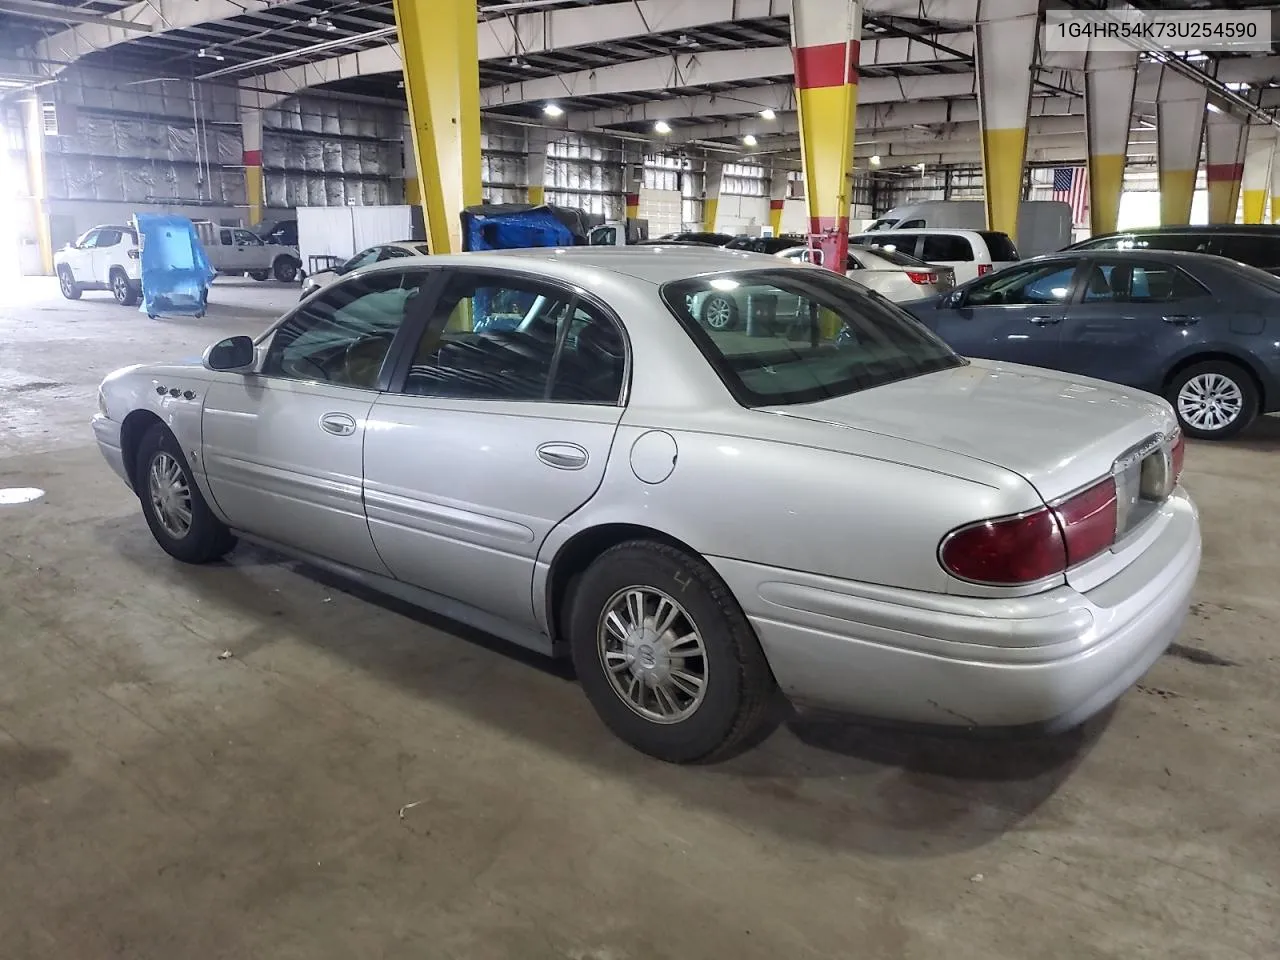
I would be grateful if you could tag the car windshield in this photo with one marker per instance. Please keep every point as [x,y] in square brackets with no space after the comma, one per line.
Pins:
[797,336]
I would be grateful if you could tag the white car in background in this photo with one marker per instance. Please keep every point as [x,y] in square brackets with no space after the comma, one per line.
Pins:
[378,253]
[894,275]
[970,253]
[104,258]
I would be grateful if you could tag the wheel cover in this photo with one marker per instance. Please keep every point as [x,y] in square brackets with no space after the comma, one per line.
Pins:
[122,289]
[653,654]
[64,280]
[1210,401]
[717,313]
[170,495]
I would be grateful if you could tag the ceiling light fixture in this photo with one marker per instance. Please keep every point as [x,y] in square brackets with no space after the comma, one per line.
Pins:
[661,126]
[211,53]
[750,140]
[768,114]
[553,110]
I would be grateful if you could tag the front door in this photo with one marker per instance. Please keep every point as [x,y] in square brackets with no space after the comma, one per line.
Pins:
[1130,319]
[492,436]
[1015,315]
[283,448]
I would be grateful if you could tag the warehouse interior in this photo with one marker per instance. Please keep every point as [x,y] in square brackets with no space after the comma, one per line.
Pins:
[256,758]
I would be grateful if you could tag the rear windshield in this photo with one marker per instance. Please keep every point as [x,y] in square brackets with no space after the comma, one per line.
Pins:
[999,244]
[896,257]
[798,336]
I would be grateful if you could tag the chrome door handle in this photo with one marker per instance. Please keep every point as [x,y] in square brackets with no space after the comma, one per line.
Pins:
[563,456]
[1180,319]
[339,424]
[1045,321]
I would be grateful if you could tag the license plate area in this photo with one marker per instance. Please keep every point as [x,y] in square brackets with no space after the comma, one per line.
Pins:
[1144,480]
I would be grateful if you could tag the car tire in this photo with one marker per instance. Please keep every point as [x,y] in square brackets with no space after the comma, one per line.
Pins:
[719,312]
[285,269]
[123,289]
[1214,400]
[731,702]
[164,484]
[67,284]
[260,275]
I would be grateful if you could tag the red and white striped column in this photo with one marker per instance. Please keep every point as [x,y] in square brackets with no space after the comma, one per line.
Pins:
[251,132]
[825,37]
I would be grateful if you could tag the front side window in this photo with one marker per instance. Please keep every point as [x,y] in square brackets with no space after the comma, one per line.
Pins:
[1040,284]
[88,240]
[512,339]
[343,335]
[362,259]
[1119,282]
[245,238]
[809,335]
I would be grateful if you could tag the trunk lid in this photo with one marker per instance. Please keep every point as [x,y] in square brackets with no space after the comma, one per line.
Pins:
[1058,431]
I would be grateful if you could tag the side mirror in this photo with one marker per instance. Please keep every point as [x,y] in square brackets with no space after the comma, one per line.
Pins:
[952,300]
[233,355]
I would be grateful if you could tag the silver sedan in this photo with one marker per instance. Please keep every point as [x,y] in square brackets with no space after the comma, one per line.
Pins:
[550,446]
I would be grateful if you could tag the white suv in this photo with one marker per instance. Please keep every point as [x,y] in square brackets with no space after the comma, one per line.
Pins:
[104,258]
[970,253]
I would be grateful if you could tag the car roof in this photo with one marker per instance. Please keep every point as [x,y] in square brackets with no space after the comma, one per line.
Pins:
[656,264]
[1269,229]
[949,231]
[1186,256]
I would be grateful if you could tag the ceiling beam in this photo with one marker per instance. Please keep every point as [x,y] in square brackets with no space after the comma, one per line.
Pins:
[51,11]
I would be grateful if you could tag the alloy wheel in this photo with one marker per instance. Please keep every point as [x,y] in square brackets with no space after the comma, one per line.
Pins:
[1210,401]
[652,654]
[170,494]
[718,313]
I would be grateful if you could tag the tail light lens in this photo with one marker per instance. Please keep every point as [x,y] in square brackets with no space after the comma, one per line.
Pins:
[984,269]
[922,278]
[1009,551]
[1178,454]
[133,254]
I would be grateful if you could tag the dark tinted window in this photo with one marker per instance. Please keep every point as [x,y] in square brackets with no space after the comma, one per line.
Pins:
[1024,286]
[825,336]
[999,245]
[942,246]
[911,224]
[342,335]
[1194,242]
[108,238]
[1256,251]
[899,259]
[509,339]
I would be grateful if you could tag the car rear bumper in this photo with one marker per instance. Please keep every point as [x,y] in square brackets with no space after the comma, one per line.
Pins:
[1048,661]
[107,432]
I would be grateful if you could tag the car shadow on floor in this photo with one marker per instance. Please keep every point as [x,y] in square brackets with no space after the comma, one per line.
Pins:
[1262,435]
[818,780]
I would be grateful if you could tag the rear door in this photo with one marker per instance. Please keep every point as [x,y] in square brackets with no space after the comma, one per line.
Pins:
[1129,320]
[1015,315]
[490,436]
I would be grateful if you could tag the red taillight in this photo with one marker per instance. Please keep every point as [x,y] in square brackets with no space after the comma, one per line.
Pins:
[1178,454]
[1023,549]
[984,269]
[1088,521]
[922,278]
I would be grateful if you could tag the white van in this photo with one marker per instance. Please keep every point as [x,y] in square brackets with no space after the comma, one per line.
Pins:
[1044,226]
[969,253]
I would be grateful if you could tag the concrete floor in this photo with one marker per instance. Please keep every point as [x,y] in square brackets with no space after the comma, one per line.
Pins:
[158,802]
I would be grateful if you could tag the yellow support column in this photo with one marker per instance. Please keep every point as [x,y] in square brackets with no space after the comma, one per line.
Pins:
[251,134]
[777,200]
[37,182]
[711,195]
[825,45]
[1257,171]
[1109,81]
[1005,34]
[1180,109]
[1275,184]
[1224,164]
[438,41]
[535,167]
[412,188]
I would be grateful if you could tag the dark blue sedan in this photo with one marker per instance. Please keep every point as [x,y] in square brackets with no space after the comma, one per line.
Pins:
[1200,330]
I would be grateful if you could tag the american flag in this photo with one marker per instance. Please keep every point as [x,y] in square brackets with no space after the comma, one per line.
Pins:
[1071,185]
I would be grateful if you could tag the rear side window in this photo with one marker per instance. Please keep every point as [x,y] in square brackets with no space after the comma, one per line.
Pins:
[941,246]
[1119,282]
[999,244]
[1194,242]
[108,238]
[1256,251]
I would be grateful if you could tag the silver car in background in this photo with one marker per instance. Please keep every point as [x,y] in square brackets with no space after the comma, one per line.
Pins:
[838,510]
[892,274]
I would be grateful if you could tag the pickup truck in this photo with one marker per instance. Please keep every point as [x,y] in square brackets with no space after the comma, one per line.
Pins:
[240,251]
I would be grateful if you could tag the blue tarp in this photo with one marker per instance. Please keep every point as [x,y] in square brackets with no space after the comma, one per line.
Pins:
[176,272]
[538,227]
